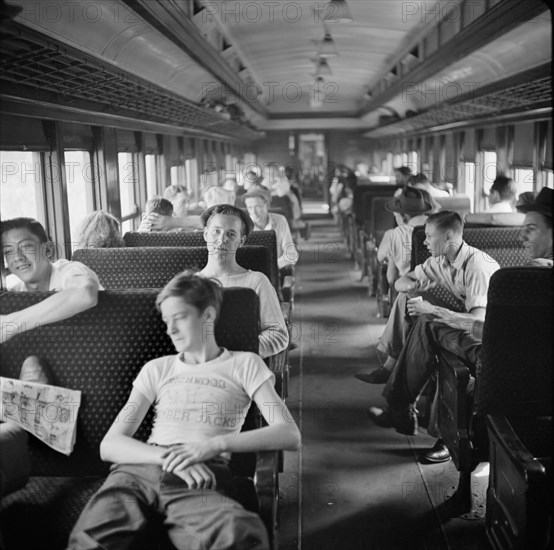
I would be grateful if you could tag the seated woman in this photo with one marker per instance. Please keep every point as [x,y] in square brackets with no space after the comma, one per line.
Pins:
[99,230]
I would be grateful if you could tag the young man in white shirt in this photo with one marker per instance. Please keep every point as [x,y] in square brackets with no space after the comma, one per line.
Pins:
[257,203]
[410,209]
[502,196]
[28,255]
[225,229]
[201,396]
[459,333]
[463,270]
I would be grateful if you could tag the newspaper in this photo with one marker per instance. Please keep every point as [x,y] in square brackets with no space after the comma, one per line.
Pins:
[48,412]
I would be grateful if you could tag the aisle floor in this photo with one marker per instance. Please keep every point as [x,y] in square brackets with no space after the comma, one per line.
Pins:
[353,485]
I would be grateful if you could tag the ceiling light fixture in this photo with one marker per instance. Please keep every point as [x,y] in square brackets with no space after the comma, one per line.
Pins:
[327,47]
[338,12]
[322,67]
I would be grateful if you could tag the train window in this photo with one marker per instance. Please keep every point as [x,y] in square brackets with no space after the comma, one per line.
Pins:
[548,178]
[404,159]
[413,161]
[127,176]
[489,170]
[397,160]
[523,178]
[469,182]
[79,179]
[21,186]
[189,176]
[178,176]
[152,165]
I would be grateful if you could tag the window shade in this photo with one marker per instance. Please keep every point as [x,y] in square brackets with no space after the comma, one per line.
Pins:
[22,134]
[126,141]
[524,140]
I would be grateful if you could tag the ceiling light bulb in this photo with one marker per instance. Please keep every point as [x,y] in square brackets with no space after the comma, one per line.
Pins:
[338,12]
[327,47]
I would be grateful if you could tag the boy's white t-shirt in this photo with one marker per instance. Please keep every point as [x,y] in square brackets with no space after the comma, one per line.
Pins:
[198,402]
[64,272]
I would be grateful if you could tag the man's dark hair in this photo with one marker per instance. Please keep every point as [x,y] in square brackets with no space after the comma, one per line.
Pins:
[505,188]
[159,205]
[446,219]
[291,172]
[420,177]
[34,226]
[229,210]
[197,291]
[404,170]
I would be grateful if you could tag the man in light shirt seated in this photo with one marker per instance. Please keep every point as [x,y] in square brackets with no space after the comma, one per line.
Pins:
[463,270]
[180,220]
[502,196]
[182,473]
[257,203]
[410,209]
[28,255]
[459,333]
[225,229]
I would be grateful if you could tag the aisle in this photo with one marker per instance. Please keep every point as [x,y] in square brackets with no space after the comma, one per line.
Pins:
[353,485]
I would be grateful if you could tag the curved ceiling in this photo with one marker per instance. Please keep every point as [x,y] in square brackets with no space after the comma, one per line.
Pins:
[278,40]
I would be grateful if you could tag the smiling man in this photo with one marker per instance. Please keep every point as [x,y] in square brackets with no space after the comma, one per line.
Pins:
[257,202]
[28,255]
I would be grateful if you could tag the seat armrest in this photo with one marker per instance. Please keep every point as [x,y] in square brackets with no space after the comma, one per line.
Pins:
[501,431]
[287,288]
[286,310]
[267,490]
[278,365]
[453,408]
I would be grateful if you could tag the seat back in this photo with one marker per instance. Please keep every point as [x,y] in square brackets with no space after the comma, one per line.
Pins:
[119,268]
[285,204]
[459,203]
[515,378]
[100,352]
[485,219]
[381,219]
[162,239]
[361,207]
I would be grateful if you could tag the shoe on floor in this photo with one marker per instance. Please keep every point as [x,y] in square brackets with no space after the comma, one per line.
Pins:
[439,453]
[403,421]
[34,370]
[378,376]
[381,417]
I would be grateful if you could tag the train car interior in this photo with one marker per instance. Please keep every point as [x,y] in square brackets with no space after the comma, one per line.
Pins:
[390,165]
